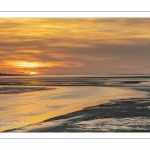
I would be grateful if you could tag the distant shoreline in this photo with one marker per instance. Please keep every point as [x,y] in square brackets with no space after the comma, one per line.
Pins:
[4,74]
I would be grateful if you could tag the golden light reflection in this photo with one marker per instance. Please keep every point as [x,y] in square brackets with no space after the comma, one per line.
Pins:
[41,110]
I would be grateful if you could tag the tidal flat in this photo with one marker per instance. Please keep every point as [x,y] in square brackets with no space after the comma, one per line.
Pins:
[75,104]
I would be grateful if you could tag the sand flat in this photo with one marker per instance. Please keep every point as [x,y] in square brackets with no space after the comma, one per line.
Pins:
[77,104]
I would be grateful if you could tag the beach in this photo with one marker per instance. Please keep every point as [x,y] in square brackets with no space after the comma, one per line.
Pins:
[125,115]
[75,104]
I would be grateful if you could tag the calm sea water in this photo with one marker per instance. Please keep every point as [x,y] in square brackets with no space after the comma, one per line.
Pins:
[20,105]
[79,80]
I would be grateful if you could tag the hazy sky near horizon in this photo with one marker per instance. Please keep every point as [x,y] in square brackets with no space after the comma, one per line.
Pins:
[75,45]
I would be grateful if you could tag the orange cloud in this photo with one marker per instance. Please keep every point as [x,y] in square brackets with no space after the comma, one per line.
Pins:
[23,64]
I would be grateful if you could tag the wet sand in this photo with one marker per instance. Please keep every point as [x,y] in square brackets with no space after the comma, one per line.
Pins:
[17,90]
[124,115]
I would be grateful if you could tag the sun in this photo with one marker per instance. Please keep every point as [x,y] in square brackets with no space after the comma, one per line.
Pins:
[32,73]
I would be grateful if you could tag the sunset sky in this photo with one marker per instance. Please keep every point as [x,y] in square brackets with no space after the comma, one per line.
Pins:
[75,45]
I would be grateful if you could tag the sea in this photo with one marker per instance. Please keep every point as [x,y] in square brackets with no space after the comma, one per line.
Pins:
[29,100]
